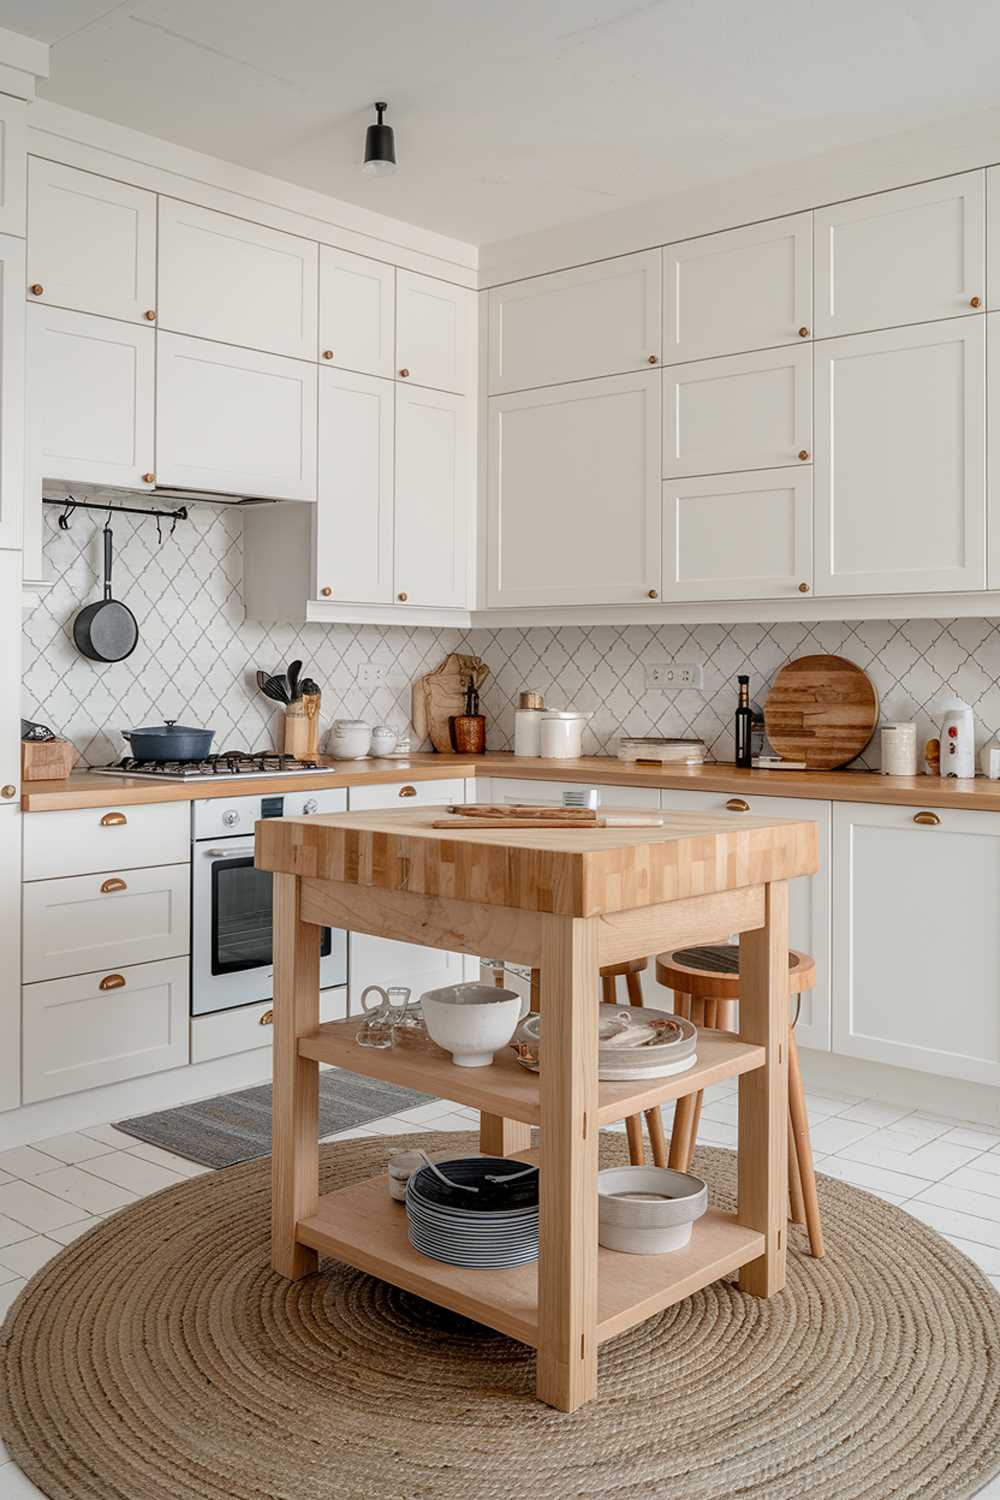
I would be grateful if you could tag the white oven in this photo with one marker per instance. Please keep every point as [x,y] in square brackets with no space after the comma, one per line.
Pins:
[231,917]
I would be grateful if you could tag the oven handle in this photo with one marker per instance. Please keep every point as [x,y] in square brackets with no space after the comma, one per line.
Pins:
[232,852]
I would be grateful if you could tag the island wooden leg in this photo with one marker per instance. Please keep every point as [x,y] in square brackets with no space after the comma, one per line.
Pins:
[500,1137]
[567,1268]
[295,1149]
[763,1108]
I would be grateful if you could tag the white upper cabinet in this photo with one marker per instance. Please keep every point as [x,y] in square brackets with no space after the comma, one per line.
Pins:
[12,355]
[573,496]
[90,394]
[741,289]
[993,447]
[434,483]
[357,312]
[907,256]
[752,411]
[354,513]
[234,421]
[434,332]
[91,243]
[600,319]
[239,283]
[901,459]
[738,536]
[13,164]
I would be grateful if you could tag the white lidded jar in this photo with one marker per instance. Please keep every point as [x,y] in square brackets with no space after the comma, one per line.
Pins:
[527,731]
[562,733]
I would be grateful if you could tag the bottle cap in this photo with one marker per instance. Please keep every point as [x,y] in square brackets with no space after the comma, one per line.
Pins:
[743,678]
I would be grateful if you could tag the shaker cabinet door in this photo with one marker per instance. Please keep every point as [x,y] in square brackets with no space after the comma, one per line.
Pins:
[738,536]
[601,319]
[573,494]
[907,256]
[357,312]
[234,421]
[752,411]
[916,940]
[240,283]
[354,510]
[901,460]
[747,288]
[434,486]
[12,383]
[90,399]
[434,332]
[91,243]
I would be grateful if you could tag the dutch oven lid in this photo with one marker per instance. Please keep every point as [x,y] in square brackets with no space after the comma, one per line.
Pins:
[171,727]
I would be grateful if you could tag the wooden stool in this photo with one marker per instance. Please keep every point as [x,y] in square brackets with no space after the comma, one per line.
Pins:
[609,994]
[706,982]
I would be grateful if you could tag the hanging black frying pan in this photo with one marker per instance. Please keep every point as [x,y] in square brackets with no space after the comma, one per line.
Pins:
[106,631]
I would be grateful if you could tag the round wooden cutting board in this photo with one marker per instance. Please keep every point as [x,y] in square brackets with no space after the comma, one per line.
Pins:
[821,709]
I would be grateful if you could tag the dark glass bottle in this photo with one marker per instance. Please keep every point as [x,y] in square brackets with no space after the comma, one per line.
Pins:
[743,723]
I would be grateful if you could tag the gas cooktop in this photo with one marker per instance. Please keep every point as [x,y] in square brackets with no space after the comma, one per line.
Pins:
[230,763]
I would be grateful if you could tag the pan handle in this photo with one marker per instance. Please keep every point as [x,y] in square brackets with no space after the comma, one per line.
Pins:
[107,562]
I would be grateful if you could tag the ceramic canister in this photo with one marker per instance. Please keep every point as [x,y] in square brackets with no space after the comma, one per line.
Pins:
[899,749]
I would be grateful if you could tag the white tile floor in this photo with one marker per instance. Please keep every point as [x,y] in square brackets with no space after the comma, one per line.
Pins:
[944,1172]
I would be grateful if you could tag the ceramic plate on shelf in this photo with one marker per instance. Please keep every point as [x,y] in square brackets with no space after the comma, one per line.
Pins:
[633,1043]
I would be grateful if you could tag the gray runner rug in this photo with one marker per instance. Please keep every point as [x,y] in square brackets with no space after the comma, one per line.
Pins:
[237,1127]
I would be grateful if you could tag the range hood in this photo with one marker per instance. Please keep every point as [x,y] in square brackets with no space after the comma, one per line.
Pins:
[64,489]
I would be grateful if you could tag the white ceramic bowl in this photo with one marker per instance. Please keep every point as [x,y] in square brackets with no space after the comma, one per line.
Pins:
[349,739]
[471,1021]
[647,1210]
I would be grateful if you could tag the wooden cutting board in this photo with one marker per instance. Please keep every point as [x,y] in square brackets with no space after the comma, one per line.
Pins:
[821,709]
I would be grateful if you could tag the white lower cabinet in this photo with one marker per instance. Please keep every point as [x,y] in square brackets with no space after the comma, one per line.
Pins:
[808,897]
[79,924]
[527,791]
[95,1029]
[226,1032]
[83,840]
[375,960]
[916,939]
[738,536]
[10,947]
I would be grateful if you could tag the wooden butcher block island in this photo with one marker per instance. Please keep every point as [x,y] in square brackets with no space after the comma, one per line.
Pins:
[565,901]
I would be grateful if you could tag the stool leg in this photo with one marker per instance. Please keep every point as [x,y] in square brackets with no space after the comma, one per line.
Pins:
[535,1002]
[633,1125]
[636,1146]
[712,1014]
[654,1120]
[698,1016]
[803,1148]
[608,989]
[796,1203]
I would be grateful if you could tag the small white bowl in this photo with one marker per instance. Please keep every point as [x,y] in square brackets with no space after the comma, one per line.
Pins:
[471,1021]
[647,1210]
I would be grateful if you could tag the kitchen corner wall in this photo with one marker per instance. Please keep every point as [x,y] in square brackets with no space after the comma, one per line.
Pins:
[197,654]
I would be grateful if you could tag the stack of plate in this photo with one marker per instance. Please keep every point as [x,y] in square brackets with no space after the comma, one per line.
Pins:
[495,1226]
[634,1043]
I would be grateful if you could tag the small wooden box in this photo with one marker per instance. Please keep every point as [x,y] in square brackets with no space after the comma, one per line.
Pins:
[46,760]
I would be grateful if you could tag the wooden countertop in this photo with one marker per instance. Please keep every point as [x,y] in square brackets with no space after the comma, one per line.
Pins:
[86,789]
[569,871]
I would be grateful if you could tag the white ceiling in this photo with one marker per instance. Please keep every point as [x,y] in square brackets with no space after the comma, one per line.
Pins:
[513,115]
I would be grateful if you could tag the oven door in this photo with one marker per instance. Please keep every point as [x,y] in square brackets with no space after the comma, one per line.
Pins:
[231,930]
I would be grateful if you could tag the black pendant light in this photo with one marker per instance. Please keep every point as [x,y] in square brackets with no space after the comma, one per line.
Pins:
[380,147]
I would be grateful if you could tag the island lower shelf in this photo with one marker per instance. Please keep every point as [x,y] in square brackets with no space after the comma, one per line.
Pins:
[362,1226]
[507,1089]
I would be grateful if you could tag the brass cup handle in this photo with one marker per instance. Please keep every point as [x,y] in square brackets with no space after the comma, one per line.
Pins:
[150,314]
[113,820]
[407,791]
[737,804]
[112,982]
[8,790]
[928,819]
[114,884]
[267,1019]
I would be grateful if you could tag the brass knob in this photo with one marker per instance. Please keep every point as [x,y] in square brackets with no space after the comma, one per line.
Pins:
[402,598]
[8,790]
[36,289]
[803,332]
[112,982]
[404,373]
[929,819]
[150,314]
[327,353]
[975,301]
[115,884]
[652,594]
[803,588]
[113,820]
[407,791]
[267,1019]
[326,592]
[149,478]
[737,804]
[651,359]
[803,454]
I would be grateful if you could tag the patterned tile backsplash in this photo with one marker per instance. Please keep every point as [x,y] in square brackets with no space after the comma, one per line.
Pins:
[197,655]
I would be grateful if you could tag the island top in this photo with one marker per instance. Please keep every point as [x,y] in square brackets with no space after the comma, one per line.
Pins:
[566,871]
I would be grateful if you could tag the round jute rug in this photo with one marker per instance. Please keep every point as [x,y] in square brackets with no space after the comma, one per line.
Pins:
[158,1358]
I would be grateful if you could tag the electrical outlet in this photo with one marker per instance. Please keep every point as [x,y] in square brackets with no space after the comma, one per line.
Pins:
[671,676]
[373,674]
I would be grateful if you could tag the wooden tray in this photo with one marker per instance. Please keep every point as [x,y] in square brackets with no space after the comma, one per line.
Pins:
[821,709]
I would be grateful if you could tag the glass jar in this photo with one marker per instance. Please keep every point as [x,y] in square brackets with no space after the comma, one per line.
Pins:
[377,1027]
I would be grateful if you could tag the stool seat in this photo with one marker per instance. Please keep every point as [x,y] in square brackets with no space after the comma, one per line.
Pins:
[712,971]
